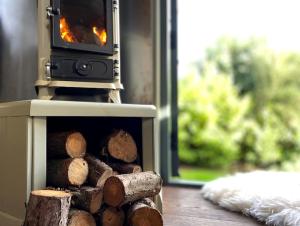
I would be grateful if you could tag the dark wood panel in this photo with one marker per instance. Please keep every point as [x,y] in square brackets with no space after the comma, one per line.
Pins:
[186,207]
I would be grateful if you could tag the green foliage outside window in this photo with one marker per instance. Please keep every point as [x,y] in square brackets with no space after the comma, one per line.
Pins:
[243,110]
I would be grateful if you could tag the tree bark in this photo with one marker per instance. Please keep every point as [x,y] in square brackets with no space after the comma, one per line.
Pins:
[110,216]
[144,213]
[87,198]
[80,218]
[121,189]
[120,145]
[123,168]
[66,144]
[98,171]
[67,172]
[47,208]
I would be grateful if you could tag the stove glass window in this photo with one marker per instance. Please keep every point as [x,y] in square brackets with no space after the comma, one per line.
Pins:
[83,21]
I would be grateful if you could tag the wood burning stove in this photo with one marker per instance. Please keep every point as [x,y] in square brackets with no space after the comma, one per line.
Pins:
[82,50]
[67,46]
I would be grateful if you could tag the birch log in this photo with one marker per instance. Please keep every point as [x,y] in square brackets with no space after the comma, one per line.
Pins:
[98,171]
[47,207]
[87,198]
[125,188]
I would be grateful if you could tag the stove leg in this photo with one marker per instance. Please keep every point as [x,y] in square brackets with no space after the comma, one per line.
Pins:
[114,96]
[46,93]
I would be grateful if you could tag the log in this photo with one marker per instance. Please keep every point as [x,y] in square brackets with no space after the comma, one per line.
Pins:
[125,188]
[123,168]
[66,144]
[47,207]
[67,172]
[120,145]
[87,198]
[115,173]
[98,171]
[144,213]
[80,218]
[110,216]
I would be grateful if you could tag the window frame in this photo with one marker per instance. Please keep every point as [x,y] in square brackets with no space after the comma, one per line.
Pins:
[169,96]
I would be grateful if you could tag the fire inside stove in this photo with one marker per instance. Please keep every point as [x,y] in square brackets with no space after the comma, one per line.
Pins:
[95,35]
[65,32]
[78,26]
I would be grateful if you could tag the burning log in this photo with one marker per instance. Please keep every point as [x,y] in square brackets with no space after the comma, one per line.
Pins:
[80,218]
[87,198]
[47,207]
[110,216]
[144,212]
[98,171]
[66,144]
[67,172]
[126,168]
[121,189]
[120,145]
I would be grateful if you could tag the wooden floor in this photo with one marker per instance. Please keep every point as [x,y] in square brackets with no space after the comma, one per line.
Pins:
[186,207]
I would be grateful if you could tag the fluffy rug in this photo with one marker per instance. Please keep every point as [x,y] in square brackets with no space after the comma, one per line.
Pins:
[270,197]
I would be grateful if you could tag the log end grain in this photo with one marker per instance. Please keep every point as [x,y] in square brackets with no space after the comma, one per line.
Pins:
[78,171]
[144,213]
[112,217]
[122,146]
[76,145]
[80,218]
[96,202]
[146,216]
[114,191]
[51,193]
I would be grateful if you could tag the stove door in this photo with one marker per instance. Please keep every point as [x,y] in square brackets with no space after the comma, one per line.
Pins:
[85,25]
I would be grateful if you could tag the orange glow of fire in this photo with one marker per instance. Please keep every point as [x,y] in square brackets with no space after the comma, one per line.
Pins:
[102,35]
[65,31]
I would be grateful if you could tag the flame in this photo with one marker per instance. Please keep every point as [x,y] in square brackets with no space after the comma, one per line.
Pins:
[102,35]
[65,31]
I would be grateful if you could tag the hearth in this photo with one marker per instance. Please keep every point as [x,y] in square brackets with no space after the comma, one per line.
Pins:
[29,132]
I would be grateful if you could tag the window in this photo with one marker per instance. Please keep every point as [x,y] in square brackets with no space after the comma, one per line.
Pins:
[237,86]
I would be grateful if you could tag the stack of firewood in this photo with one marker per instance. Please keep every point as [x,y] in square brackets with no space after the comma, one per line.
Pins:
[108,189]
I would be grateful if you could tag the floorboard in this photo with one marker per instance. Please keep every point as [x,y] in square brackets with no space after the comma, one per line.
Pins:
[186,207]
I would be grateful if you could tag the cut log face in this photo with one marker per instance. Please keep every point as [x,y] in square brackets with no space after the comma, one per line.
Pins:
[110,216]
[48,207]
[66,144]
[123,168]
[87,198]
[80,218]
[121,189]
[67,172]
[98,171]
[122,146]
[144,213]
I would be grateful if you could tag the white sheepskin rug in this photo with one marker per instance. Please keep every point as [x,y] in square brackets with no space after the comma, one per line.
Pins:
[270,197]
